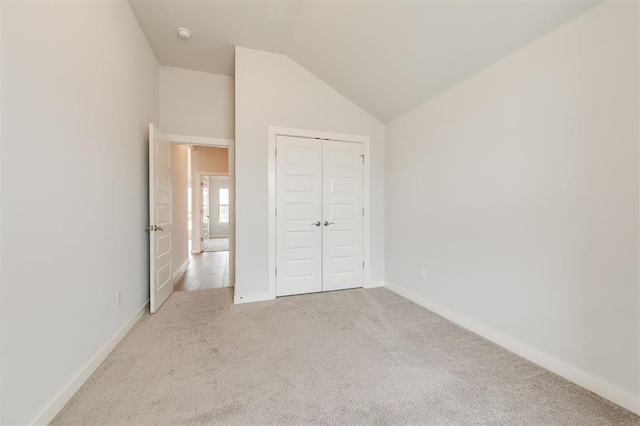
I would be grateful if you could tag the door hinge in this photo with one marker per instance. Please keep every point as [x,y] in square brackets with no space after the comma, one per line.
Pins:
[201,183]
[362,212]
[201,239]
[276,272]
[276,152]
[276,212]
[362,265]
[362,155]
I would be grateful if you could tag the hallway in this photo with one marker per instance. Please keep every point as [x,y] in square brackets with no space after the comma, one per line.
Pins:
[205,271]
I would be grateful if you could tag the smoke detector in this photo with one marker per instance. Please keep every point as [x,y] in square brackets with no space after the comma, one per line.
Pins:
[184,33]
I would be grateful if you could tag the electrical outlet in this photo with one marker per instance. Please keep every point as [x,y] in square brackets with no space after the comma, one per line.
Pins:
[118,298]
[421,273]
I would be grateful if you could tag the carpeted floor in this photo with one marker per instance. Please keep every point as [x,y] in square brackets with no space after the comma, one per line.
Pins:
[347,357]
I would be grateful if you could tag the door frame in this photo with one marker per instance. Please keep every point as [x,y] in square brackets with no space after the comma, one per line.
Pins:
[274,132]
[212,179]
[197,218]
[230,145]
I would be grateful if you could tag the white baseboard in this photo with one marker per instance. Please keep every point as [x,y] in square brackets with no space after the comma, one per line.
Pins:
[598,386]
[181,269]
[72,387]
[252,298]
[374,284]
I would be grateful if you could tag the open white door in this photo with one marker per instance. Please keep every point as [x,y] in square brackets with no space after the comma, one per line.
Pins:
[204,212]
[160,218]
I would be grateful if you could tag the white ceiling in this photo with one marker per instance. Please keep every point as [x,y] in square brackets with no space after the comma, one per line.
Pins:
[386,56]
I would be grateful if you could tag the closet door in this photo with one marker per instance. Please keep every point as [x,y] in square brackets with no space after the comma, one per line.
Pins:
[343,222]
[298,215]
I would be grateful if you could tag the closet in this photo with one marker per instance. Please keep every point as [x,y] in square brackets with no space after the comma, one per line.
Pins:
[319,215]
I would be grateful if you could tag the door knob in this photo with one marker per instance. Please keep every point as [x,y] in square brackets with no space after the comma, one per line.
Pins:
[316,223]
[326,223]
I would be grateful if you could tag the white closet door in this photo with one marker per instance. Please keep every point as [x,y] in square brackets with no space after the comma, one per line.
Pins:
[298,216]
[343,225]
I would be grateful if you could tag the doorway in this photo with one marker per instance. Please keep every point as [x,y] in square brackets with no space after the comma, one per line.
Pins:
[211,210]
[210,220]
[217,208]
[181,169]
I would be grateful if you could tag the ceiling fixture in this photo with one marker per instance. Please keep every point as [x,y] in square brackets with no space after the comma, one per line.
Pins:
[184,33]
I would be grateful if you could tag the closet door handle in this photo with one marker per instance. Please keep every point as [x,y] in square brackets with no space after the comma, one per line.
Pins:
[316,223]
[326,223]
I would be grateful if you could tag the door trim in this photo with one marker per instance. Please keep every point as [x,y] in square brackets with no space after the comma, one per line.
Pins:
[274,132]
[200,140]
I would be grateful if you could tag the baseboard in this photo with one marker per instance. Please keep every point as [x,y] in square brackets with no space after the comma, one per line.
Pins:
[72,387]
[579,377]
[181,269]
[374,284]
[252,298]
[262,297]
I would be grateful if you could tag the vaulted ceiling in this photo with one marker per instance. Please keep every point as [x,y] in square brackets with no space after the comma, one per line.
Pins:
[386,56]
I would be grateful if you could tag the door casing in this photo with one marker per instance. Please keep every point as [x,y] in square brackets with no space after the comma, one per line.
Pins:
[274,132]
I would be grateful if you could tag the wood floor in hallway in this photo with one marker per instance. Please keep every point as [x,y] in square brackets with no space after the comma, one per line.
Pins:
[206,270]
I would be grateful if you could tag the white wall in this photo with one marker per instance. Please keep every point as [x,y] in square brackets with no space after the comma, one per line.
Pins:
[273,90]
[216,229]
[80,85]
[179,184]
[517,190]
[196,103]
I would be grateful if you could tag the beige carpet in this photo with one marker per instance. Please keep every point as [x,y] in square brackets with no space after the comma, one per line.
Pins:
[348,357]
